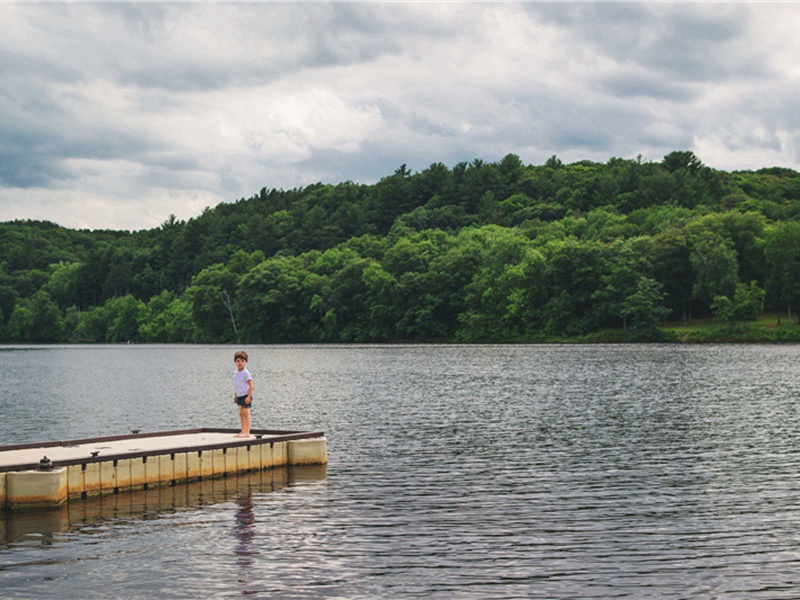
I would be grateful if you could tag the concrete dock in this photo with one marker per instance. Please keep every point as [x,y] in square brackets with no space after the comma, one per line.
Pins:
[49,474]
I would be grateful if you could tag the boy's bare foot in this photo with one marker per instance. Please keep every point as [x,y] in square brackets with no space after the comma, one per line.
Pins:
[242,435]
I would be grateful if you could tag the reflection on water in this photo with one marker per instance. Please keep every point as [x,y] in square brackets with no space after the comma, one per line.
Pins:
[245,533]
[44,526]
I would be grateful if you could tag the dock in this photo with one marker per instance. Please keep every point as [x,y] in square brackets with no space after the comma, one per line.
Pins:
[49,474]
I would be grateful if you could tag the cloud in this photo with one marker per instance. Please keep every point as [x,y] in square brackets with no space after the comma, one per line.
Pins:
[683,41]
[120,114]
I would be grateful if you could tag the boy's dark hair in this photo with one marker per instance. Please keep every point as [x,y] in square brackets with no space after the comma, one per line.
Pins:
[240,354]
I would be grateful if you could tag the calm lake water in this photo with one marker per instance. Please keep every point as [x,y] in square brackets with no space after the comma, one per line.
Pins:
[455,472]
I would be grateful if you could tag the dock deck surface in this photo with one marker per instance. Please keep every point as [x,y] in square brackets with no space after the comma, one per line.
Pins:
[98,449]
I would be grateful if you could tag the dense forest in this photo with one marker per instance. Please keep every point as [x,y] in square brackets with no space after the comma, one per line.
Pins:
[480,252]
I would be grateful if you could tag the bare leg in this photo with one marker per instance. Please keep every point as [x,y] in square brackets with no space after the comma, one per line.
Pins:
[246,421]
[242,412]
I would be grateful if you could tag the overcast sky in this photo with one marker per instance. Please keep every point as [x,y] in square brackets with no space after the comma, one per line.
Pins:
[116,115]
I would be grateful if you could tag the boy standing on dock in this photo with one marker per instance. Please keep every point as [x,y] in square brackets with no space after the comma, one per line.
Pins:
[242,392]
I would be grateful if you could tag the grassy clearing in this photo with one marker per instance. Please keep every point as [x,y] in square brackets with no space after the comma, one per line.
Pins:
[765,329]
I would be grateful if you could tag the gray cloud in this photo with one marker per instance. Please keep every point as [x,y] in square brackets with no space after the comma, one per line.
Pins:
[689,42]
[118,114]
[647,85]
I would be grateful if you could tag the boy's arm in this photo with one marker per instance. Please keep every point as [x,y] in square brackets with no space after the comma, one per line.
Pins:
[249,391]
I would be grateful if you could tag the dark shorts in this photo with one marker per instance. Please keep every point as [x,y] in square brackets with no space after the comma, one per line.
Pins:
[242,401]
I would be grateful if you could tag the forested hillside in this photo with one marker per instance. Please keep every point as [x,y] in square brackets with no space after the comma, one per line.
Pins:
[478,252]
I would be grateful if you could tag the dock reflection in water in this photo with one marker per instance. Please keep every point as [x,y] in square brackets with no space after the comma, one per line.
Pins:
[41,527]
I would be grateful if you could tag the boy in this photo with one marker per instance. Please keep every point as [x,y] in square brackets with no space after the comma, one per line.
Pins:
[242,392]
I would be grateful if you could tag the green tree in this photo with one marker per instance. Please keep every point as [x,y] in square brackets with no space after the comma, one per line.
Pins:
[116,320]
[273,301]
[744,231]
[554,162]
[212,295]
[340,301]
[715,268]
[8,300]
[91,326]
[745,305]
[782,252]
[672,266]
[168,319]
[37,319]
[503,298]
[124,317]
[63,283]
[574,273]
[380,302]
[682,160]
[622,280]
[392,196]
[645,307]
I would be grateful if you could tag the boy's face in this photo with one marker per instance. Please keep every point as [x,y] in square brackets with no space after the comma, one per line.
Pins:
[240,363]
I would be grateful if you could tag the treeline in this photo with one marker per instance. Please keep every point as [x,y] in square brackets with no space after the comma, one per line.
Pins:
[477,252]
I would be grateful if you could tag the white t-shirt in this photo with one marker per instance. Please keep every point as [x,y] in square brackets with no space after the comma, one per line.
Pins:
[240,379]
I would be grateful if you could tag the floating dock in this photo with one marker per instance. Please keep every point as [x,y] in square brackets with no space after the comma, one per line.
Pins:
[49,474]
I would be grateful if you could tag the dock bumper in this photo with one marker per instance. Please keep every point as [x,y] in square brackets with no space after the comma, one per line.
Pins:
[312,451]
[26,490]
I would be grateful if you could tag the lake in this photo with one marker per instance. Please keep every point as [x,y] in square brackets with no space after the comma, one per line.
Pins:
[531,471]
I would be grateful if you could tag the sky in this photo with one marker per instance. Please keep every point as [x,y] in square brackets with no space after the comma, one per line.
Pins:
[117,115]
